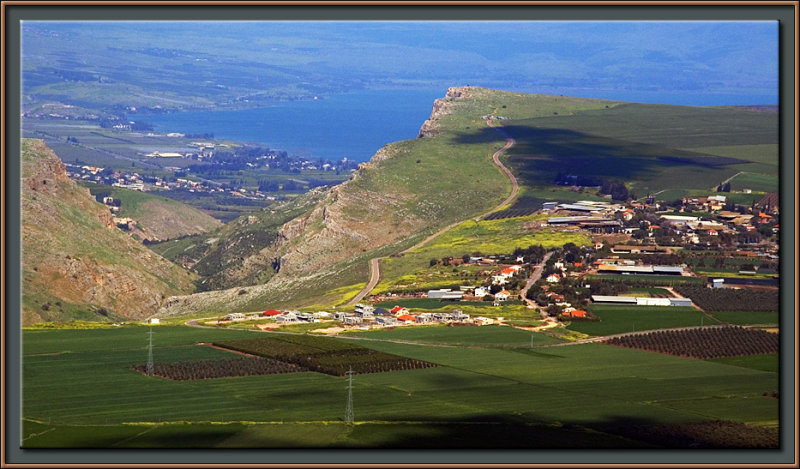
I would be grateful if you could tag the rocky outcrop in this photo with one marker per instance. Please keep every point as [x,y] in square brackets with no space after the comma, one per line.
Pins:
[442,107]
[75,262]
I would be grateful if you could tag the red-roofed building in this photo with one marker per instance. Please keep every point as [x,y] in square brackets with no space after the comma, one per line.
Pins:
[502,295]
[399,309]
[271,312]
[574,313]
[406,318]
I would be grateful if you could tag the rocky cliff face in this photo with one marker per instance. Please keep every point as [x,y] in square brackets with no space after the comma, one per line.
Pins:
[76,263]
[442,107]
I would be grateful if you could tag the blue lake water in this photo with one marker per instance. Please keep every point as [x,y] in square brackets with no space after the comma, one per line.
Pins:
[355,125]
[351,125]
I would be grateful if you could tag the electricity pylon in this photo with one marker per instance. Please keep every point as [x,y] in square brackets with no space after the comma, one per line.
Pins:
[149,369]
[348,412]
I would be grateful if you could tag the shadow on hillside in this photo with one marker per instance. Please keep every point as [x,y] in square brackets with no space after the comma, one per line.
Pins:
[546,151]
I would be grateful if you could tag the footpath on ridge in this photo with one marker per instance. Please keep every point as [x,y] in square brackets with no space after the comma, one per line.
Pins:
[375,262]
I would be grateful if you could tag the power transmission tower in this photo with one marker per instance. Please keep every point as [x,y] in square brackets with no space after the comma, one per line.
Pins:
[348,412]
[149,368]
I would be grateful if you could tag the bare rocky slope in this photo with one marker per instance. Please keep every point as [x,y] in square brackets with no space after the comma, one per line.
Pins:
[75,263]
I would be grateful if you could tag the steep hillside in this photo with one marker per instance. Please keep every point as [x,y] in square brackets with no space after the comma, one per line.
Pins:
[157,218]
[75,263]
[238,253]
[409,189]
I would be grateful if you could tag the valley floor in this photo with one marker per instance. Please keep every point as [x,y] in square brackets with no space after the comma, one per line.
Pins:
[80,391]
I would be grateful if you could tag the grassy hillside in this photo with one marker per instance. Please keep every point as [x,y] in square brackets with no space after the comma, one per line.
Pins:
[650,147]
[157,218]
[76,264]
[412,188]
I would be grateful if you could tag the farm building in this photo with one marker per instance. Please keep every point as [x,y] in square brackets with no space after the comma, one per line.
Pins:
[445,294]
[625,249]
[153,321]
[380,312]
[578,207]
[270,313]
[577,219]
[407,318]
[639,269]
[679,219]
[641,301]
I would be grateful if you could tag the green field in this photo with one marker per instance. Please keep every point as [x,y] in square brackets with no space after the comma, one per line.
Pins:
[80,391]
[763,158]
[491,336]
[747,317]
[619,319]
[764,362]
[756,182]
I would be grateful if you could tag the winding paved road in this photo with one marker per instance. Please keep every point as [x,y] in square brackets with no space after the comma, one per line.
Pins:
[375,263]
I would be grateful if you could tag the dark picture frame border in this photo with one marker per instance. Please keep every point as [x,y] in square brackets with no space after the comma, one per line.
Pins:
[13,12]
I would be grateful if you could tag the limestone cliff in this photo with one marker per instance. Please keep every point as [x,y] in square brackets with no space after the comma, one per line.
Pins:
[442,107]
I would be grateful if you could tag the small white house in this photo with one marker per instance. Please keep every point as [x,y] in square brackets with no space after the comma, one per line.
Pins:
[502,295]
[553,278]
[480,292]
[153,321]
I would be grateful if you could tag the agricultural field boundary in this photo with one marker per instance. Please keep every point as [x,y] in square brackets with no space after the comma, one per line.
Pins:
[375,263]
[628,334]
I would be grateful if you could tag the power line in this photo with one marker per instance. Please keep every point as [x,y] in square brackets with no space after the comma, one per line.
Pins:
[348,412]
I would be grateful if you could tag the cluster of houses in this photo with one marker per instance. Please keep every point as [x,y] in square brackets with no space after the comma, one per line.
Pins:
[399,315]
[135,181]
[692,227]
[363,315]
